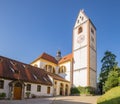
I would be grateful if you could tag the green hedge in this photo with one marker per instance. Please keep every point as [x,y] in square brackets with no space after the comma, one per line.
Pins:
[82,90]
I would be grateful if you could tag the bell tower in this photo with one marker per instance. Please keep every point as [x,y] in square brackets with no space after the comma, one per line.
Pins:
[84,52]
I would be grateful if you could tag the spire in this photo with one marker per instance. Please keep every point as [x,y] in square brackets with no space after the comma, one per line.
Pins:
[58,55]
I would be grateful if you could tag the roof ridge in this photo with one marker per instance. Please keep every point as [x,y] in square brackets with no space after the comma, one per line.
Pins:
[7,58]
[47,57]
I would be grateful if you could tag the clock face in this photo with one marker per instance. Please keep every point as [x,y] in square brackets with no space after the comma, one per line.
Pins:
[80,39]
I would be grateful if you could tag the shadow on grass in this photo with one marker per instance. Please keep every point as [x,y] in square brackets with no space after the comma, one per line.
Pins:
[111,101]
[68,102]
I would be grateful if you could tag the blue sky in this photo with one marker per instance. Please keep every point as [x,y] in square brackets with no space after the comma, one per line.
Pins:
[31,27]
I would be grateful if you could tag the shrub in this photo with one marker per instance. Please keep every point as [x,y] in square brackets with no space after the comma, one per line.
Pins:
[75,90]
[112,81]
[82,90]
[2,95]
[86,90]
[28,94]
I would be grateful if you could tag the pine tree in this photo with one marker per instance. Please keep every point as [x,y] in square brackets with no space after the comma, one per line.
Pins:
[108,64]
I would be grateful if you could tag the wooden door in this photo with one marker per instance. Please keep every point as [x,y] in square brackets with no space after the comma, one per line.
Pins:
[17,93]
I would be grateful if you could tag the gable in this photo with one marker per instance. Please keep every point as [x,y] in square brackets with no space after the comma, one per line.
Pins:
[81,18]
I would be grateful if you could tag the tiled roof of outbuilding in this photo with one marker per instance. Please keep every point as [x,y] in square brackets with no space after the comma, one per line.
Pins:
[14,70]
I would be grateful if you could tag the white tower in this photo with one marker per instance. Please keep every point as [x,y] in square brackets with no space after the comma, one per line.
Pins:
[84,52]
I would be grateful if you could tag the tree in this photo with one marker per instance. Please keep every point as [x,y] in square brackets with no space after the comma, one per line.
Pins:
[112,80]
[108,64]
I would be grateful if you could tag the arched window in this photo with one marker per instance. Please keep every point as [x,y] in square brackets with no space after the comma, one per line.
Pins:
[66,89]
[45,67]
[54,70]
[79,30]
[49,68]
[62,69]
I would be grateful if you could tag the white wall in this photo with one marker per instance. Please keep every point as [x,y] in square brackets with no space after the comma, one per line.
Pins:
[80,78]
[93,77]
[93,59]
[94,36]
[6,87]
[66,75]
[43,91]
[80,58]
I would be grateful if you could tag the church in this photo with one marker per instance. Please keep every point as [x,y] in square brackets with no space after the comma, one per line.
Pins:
[53,76]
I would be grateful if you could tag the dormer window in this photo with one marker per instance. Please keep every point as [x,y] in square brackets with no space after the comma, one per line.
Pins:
[12,70]
[80,30]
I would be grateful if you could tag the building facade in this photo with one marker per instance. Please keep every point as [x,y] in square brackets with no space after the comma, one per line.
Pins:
[84,52]
[78,67]
[52,76]
[19,80]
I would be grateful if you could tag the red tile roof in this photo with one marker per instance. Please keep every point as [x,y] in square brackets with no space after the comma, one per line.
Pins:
[52,59]
[66,58]
[23,72]
[47,57]
[15,70]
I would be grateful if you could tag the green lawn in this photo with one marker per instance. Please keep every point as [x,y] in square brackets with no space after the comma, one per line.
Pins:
[110,97]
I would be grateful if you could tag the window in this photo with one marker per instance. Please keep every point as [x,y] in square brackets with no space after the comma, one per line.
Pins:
[79,30]
[55,82]
[92,39]
[82,18]
[49,68]
[38,88]
[92,31]
[48,90]
[62,69]
[28,87]
[1,84]
[53,71]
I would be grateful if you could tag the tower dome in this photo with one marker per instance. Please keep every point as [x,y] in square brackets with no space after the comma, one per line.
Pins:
[58,55]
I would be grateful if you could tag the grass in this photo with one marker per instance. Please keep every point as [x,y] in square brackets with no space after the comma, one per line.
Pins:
[110,97]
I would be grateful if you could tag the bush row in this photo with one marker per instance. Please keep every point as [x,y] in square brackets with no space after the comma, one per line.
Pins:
[82,90]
